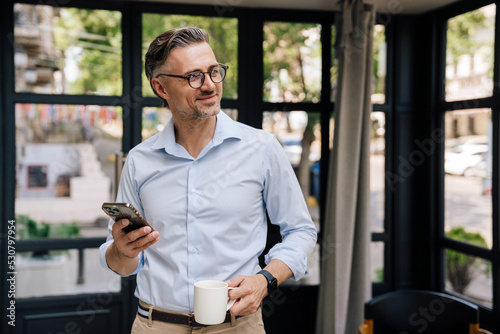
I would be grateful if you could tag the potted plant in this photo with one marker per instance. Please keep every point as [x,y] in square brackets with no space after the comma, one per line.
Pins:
[460,267]
[41,273]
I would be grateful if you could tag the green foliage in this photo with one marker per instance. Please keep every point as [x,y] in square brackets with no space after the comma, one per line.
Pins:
[94,37]
[64,231]
[380,274]
[27,228]
[459,266]
[223,34]
[461,32]
[291,53]
[378,46]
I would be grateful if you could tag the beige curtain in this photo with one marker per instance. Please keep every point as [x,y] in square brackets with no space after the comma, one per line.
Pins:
[345,279]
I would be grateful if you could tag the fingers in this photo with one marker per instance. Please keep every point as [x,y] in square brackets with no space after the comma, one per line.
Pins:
[118,231]
[132,243]
[246,305]
[120,225]
[146,241]
[248,294]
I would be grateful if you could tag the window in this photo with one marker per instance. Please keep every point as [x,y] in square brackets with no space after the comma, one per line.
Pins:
[468,202]
[469,54]
[68,127]
[292,62]
[300,135]
[380,183]
[67,50]
[379,64]
[72,115]
[65,171]
[377,171]
[470,157]
[377,196]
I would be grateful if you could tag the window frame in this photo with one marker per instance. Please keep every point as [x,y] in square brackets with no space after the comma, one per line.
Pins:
[132,102]
[493,103]
[387,236]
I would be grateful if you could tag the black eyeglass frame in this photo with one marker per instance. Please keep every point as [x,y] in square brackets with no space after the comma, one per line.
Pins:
[188,77]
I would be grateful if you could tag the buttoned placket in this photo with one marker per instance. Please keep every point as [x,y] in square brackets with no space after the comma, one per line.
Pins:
[191,231]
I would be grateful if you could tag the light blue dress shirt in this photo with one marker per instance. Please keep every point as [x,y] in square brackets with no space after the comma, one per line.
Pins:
[211,211]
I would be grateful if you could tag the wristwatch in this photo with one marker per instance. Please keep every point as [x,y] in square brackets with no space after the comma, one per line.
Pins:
[272,283]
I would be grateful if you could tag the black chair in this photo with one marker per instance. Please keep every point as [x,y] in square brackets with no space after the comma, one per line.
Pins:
[420,312]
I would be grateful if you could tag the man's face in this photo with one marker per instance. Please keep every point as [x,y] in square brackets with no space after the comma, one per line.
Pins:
[201,103]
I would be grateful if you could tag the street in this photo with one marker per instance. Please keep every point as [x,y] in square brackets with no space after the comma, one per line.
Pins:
[466,206]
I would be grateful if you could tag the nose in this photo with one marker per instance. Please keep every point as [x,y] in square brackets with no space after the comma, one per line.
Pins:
[208,84]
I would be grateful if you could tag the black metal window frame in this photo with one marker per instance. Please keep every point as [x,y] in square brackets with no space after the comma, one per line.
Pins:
[250,103]
[493,103]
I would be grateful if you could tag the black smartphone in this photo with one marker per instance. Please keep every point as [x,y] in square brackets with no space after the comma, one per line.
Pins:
[119,211]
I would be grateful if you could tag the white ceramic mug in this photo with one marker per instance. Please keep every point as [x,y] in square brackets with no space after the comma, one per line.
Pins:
[211,302]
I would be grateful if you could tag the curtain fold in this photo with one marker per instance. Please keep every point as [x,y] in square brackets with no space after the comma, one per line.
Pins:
[345,279]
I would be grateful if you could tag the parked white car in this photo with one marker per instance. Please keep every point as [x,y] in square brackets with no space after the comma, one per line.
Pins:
[463,159]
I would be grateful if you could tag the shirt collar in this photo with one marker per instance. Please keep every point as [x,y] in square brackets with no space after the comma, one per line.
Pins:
[225,128]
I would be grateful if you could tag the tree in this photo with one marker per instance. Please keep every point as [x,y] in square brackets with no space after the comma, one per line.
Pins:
[460,33]
[93,39]
[292,73]
[292,62]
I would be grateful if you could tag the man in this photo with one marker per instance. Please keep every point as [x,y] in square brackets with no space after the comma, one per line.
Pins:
[204,184]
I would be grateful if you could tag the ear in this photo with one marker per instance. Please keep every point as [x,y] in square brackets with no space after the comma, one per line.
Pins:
[160,88]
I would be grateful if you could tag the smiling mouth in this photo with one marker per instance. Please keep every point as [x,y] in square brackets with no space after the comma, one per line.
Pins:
[207,98]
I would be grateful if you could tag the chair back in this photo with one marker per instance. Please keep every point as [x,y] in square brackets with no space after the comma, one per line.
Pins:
[420,312]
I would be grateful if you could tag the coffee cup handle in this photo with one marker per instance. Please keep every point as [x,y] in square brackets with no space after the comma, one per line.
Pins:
[231,302]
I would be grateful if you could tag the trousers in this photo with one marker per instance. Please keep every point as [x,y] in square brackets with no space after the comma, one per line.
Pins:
[249,324]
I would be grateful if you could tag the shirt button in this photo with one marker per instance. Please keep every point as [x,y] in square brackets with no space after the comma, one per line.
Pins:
[195,162]
[193,190]
[194,250]
[192,219]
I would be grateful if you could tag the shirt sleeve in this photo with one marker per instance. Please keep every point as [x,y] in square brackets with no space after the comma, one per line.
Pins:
[287,208]
[126,193]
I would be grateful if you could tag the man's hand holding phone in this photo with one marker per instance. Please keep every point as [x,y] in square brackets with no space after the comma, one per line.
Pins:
[130,244]
[131,233]
[122,254]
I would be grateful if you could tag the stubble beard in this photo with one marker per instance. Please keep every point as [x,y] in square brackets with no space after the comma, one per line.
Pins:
[202,112]
[206,111]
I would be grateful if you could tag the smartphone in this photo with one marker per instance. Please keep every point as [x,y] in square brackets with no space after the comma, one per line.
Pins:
[119,211]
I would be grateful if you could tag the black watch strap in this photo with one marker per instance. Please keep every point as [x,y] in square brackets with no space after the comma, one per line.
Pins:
[272,282]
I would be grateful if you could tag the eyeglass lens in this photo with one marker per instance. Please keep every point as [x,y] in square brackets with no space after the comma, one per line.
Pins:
[217,75]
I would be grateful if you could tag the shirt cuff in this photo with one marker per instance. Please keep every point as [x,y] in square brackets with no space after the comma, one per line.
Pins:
[102,255]
[295,260]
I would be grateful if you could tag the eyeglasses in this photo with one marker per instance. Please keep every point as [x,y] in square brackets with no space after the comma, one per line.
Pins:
[196,79]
